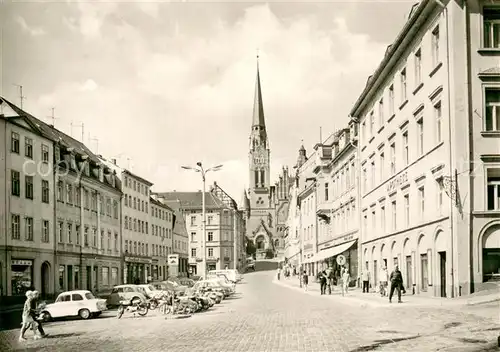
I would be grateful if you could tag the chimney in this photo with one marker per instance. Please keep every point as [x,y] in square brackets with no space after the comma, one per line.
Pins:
[113,161]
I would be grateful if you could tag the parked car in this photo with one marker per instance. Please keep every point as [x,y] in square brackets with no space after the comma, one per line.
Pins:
[232,274]
[214,286]
[177,284]
[131,293]
[222,279]
[151,291]
[74,303]
[187,282]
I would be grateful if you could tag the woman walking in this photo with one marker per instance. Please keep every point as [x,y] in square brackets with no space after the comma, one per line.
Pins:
[27,317]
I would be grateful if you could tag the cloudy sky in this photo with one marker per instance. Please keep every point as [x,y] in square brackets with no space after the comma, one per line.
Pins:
[162,84]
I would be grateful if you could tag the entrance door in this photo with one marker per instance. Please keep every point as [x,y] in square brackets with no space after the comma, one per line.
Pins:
[89,278]
[409,268]
[95,287]
[442,272]
[70,277]
[45,279]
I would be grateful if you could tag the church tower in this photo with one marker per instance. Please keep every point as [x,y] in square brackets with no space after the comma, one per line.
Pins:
[259,154]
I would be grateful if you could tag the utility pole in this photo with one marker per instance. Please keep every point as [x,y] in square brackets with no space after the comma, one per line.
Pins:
[21,96]
[235,238]
[53,118]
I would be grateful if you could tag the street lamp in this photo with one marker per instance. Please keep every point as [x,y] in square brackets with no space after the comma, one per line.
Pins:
[203,172]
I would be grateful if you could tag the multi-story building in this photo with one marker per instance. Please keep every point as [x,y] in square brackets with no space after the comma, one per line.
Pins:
[429,150]
[292,232]
[27,203]
[220,226]
[180,256]
[336,202]
[161,238]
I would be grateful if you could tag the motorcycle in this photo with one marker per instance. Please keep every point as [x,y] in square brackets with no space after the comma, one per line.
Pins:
[138,307]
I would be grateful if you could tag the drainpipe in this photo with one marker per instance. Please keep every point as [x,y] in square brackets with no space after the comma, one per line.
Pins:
[450,148]
[7,266]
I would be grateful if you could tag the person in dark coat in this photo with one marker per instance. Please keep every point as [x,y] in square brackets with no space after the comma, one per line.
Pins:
[396,279]
[323,282]
[305,279]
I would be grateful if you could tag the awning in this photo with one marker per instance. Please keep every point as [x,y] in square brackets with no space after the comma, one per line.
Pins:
[331,252]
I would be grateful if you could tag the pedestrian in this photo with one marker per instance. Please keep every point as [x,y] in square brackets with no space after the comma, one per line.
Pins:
[365,278]
[330,276]
[36,324]
[345,280]
[278,273]
[26,316]
[305,279]
[323,282]
[383,281]
[396,283]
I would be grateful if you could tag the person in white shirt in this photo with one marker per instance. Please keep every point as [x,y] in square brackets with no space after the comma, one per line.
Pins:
[383,275]
[345,280]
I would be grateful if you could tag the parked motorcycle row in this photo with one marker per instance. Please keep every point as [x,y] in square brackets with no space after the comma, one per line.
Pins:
[197,297]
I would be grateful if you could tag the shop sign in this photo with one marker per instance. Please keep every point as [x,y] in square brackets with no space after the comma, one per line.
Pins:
[341,259]
[398,181]
[173,259]
[21,262]
[138,260]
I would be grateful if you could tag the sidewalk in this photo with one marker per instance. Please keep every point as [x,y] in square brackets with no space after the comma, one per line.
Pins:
[357,297]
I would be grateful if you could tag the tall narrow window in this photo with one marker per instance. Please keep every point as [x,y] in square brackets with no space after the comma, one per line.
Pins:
[491,27]
[381,111]
[28,147]
[363,132]
[391,100]
[14,142]
[493,189]
[372,123]
[262,178]
[424,265]
[435,46]
[28,192]
[407,209]
[16,227]
[365,186]
[440,191]
[418,67]
[29,229]
[421,137]
[492,109]
[256,175]
[393,215]
[15,183]
[421,201]
[439,122]
[45,191]
[382,217]
[373,172]
[382,166]
[406,152]
[403,85]
[393,158]
[326,191]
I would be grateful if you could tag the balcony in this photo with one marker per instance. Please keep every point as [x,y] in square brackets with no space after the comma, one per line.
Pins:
[323,157]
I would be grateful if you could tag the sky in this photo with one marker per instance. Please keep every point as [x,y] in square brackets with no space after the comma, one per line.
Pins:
[162,84]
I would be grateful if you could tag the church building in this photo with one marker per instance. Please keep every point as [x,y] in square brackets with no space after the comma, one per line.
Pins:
[265,206]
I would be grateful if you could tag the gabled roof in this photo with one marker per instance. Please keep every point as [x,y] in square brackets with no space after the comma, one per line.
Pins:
[159,204]
[263,225]
[193,200]
[54,134]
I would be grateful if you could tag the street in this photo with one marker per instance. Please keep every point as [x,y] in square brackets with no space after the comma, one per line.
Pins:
[269,317]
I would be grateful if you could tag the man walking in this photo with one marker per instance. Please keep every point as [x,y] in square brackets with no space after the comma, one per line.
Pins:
[365,278]
[396,284]
[323,280]
[330,276]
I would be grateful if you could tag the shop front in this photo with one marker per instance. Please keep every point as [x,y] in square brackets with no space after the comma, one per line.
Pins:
[22,276]
[339,253]
[138,270]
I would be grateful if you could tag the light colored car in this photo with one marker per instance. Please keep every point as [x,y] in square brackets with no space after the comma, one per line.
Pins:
[152,291]
[74,303]
[131,293]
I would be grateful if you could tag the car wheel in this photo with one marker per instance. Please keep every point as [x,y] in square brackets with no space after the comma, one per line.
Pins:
[84,313]
[46,316]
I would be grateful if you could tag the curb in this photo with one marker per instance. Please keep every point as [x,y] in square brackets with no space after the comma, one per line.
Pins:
[350,300]
[490,300]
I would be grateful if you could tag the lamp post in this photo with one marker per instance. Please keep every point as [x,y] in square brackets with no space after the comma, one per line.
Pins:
[199,168]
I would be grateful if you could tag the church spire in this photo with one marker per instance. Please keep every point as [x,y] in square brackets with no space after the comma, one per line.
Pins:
[258,106]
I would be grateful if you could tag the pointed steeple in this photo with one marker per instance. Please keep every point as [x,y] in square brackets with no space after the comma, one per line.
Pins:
[258,106]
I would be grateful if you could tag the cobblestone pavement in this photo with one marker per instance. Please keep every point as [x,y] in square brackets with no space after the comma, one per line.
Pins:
[270,317]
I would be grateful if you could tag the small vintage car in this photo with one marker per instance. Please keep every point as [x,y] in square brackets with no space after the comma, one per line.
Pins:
[74,303]
[130,293]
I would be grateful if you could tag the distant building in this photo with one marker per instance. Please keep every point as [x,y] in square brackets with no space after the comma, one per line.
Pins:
[223,225]
[162,238]
[265,206]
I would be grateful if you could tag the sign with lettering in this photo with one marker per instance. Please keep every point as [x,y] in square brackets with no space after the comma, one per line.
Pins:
[341,259]
[398,181]
[138,260]
[173,259]
[22,262]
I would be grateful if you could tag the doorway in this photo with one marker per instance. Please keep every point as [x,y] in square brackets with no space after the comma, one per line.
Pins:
[70,277]
[89,278]
[409,268]
[45,272]
[442,272]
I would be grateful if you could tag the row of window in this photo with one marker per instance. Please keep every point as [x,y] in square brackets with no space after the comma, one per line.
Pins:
[141,248]
[15,147]
[411,148]
[412,213]
[70,233]
[211,220]
[136,186]
[227,252]
[210,236]
[342,180]
[71,195]
[344,218]
[27,230]
[161,214]
[29,188]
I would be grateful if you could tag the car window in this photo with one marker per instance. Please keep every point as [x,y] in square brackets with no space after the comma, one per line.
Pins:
[76,297]
[128,289]
[63,298]
[150,287]
[89,295]
[115,290]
